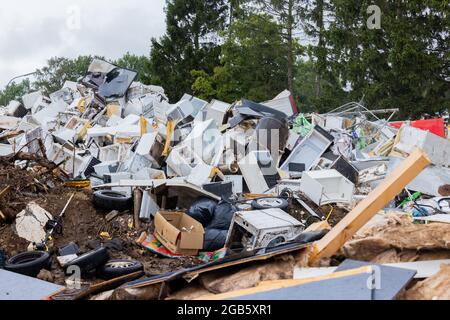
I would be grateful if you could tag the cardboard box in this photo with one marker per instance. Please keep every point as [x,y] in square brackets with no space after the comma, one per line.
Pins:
[179,233]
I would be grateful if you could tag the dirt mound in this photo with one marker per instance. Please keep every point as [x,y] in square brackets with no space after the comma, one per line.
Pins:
[82,222]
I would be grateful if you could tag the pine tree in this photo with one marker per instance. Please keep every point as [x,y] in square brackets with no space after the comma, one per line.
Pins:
[191,43]
[253,64]
[404,64]
[288,14]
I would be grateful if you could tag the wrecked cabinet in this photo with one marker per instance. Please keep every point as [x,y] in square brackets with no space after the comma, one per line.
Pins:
[308,152]
[206,141]
[437,148]
[283,102]
[111,81]
[260,229]
[327,186]
[217,111]
[259,171]
[181,161]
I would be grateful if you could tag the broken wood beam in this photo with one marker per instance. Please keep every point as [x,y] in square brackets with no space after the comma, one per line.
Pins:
[137,195]
[4,191]
[31,157]
[373,203]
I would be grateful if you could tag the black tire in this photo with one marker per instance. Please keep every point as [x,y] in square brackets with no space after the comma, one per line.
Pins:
[117,268]
[91,260]
[112,200]
[28,263]
[270,203]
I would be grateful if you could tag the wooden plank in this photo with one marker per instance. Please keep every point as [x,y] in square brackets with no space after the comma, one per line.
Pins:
[5,191]
[367,208]
[137,195]
[77,294]
[195,271]
[2,194]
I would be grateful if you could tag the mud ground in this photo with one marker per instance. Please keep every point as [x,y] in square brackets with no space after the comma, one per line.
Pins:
[82,223]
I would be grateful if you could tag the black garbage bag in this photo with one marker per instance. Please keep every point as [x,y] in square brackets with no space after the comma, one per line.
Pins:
[202,210]
[214,239]
[223,214]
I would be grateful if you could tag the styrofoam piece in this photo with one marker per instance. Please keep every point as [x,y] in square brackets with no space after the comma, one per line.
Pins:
[305,273]
[200,175]
[442,218]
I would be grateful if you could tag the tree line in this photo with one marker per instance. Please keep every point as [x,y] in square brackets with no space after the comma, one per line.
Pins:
[326,52]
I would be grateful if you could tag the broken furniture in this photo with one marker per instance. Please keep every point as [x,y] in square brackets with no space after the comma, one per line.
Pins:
[259,171]
[261,229]
[327,186]
[364,210]
[308,152]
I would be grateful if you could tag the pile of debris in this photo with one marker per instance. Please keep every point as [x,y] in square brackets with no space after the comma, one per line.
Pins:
[164,192]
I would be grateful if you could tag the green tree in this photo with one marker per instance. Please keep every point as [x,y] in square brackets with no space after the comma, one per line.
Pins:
[58,70]
[14,91]
[404,64]
[191,43]
[140,64]
[253,64]
[288,15]
[331,94]
[314,14]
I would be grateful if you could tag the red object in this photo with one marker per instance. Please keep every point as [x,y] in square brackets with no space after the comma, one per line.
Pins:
[294,105]
[436,126]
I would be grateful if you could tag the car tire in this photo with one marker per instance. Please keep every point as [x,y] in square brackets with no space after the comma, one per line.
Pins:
[270,203]
[28,263]
[118,268]
[112,200]
[91,260]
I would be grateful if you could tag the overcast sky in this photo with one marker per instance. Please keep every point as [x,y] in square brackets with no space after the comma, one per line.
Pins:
[32,31]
